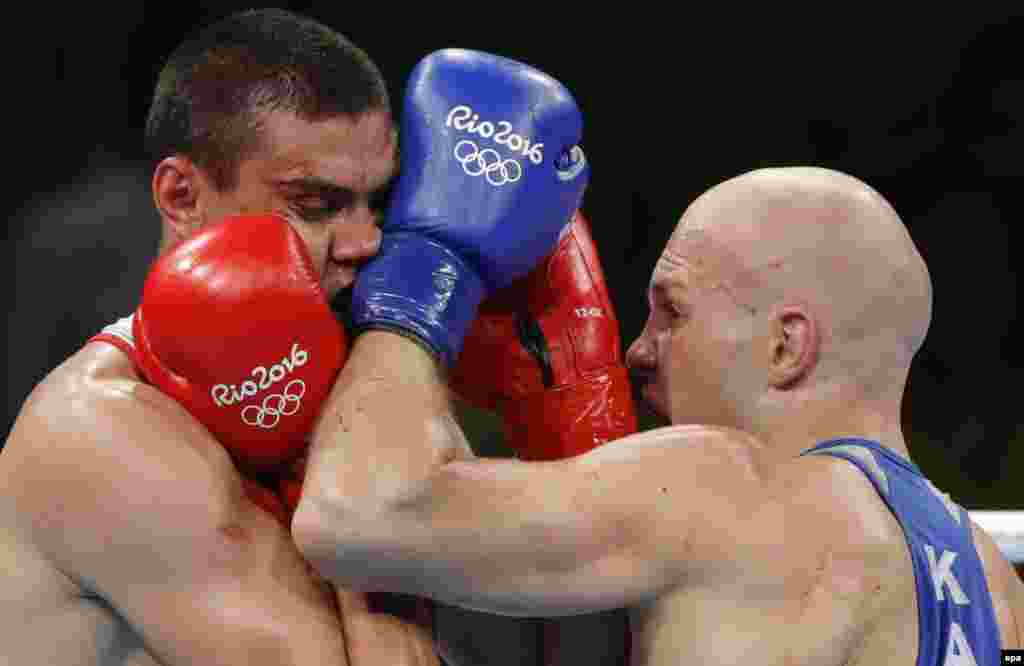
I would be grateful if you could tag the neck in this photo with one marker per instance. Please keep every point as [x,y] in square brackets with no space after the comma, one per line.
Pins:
[792,422]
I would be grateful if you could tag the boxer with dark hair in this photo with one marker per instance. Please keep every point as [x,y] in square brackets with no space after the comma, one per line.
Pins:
[778,520]
[129,534]
[214,92]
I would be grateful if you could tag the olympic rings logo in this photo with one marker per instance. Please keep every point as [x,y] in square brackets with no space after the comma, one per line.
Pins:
[268,414]
[487,163]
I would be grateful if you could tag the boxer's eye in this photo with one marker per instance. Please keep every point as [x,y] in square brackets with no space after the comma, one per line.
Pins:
[319,207]
[311,212]
[315,199]
[379,198]
[673,311]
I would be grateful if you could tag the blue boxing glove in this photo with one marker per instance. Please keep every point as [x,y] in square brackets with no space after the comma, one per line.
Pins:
[491,173]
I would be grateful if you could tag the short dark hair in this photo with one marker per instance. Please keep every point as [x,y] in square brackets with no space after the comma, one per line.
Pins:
[214,86]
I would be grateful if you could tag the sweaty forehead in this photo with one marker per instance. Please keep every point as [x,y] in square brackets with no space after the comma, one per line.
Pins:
[697,260]
[724,237]
[357,153]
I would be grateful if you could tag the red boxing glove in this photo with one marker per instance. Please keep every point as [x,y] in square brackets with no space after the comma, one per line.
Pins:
[545,353]
[233,325]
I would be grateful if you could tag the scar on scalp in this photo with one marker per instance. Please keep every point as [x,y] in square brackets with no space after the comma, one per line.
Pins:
[731,293]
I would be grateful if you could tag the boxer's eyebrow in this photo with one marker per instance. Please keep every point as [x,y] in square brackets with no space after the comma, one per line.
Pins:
[660,289]
[317,185]
[663,285]
[331,190]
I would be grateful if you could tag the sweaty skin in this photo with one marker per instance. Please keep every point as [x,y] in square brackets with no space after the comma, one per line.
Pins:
[785,310]
[128,538]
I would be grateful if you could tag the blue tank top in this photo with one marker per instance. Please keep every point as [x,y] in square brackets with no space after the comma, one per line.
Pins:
[957,621]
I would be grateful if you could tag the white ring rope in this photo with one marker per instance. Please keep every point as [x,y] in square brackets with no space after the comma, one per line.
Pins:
[1006,528]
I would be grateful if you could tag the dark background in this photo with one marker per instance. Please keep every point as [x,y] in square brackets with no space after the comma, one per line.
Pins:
[926,108]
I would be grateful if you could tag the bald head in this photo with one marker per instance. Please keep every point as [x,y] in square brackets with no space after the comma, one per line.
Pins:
[824,241]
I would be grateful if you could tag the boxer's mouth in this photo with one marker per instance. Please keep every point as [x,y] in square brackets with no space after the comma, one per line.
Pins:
[649,404]
[643,382]
[337,279]
[341,304]
[640,378]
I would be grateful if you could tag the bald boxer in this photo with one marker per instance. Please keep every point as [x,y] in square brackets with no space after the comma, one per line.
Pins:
[778,520]
[127,533]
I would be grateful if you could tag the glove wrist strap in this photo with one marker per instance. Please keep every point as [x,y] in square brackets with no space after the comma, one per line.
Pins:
[419,287]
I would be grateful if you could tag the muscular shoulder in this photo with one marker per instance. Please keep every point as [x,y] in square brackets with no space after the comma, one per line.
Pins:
[95,375]
[832,510]
[782,517]
[93,446]
[98,374]
[706,489]
[733,452]
[95,397]
[842,536]
[836,496]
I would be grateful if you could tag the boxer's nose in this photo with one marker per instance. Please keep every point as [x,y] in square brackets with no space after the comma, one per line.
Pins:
[355,241]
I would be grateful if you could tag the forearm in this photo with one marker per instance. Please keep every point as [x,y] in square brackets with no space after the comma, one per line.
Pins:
[384,434]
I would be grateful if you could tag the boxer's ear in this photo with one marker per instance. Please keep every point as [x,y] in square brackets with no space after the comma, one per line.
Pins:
[794,347]
[177,186]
